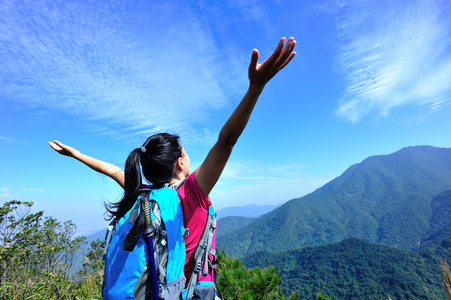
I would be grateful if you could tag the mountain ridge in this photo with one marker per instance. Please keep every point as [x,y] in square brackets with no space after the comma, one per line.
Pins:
[385,199]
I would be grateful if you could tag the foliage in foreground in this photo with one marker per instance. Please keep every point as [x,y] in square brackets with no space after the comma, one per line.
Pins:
[322,297]
[37,256]
[238,283]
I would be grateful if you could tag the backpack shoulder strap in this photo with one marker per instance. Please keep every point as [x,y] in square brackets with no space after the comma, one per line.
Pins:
[137,218]
[177,185]
[109,235]
[201,261]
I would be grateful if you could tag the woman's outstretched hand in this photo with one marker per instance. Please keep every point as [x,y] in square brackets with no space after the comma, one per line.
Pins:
[64,149]
[260,74]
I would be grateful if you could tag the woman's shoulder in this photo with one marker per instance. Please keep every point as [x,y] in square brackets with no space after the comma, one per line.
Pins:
[190,182]
[191,191]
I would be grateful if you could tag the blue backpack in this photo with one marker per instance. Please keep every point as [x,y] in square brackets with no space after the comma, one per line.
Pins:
[155,225]
[146,253]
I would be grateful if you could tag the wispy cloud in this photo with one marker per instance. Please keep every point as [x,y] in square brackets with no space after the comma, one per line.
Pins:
[263,183]
[262,171]
[7,189]
[9,140]
[392,55]
[5,194]
[257,12]
[6,197]
[33,190]
[133,67]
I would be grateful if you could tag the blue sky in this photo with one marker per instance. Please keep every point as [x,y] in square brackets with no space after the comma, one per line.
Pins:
[369,78]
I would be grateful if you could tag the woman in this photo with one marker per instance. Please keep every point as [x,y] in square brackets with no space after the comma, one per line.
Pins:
[164,160]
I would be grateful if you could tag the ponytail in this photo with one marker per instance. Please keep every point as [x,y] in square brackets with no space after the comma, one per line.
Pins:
[133,182]
[157,157]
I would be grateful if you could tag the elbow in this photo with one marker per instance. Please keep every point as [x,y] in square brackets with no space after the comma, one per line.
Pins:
[226,141]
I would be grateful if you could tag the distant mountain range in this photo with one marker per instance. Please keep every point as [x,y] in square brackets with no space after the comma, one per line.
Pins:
[400,200]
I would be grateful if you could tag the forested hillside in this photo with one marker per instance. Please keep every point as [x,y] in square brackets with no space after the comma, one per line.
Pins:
[394,200]
[353,269]
[229,224]
[440,220]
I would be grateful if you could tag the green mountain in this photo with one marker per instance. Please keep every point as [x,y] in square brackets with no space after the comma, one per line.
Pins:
[441,219]
[229,224]
[386,199]
[353,269]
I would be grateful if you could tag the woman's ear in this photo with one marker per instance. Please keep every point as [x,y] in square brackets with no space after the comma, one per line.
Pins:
[180,164]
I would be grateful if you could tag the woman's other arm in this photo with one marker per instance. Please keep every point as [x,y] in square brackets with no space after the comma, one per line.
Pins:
[97,165]
[259,75]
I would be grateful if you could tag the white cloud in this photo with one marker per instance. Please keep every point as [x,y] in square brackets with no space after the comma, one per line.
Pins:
[260,183]
[138,67]
[257,12]
[394,54]
[7,189]
[236,169]
[264,172]
[9,140]
[6,197]
[33,190]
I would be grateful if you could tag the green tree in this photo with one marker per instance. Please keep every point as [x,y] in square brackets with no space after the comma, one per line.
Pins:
[92,273]
[322,297]
[36,254]
[237,282]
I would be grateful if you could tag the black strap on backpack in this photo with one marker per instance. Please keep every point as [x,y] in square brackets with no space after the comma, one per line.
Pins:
[201,261]
[138,221]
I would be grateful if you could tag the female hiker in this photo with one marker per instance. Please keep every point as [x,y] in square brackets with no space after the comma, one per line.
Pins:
[163,159]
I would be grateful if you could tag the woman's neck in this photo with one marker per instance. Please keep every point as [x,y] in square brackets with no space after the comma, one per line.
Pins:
[177,178]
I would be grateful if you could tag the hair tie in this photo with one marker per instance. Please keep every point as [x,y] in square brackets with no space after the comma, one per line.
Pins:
[143,149]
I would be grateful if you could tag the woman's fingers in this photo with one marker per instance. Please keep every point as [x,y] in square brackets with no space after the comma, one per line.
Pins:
[272,59]
[63,149]
[55,146]
[286,54]
[287,60]
[254,60]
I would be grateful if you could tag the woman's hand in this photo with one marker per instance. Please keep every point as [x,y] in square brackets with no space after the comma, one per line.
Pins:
[260,74]
[64,149]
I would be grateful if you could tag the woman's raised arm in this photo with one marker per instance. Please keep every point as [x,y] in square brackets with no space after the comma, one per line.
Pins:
[259,75]
[108,169]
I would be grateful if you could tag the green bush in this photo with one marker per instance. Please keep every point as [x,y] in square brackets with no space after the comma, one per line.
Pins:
[37,256]
[238,283]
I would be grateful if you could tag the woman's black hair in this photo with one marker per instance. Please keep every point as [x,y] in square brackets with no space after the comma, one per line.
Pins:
[157,157]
